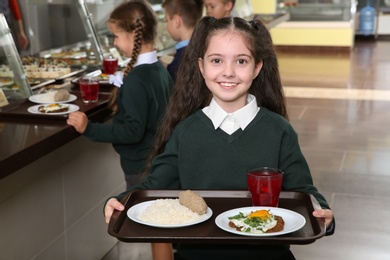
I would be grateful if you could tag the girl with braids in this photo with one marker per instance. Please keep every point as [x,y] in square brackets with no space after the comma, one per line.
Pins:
[139,104]
[227,115]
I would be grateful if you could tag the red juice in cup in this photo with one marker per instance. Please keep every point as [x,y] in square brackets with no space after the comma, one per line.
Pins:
[89,88]
[110,65]
[265,185]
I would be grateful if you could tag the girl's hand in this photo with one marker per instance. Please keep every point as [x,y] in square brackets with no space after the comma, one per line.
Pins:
[78,120]
[111,205]
[327,214]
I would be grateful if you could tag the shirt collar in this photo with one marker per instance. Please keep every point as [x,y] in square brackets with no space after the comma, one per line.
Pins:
[243,116]
[146,58]
[182,44]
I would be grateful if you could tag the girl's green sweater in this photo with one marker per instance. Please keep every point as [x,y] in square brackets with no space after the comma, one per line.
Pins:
[199,157]
[141,100]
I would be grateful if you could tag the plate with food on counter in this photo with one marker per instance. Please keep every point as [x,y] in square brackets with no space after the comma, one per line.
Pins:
[187,210]
[104,77]
[53,96]
[8,83]
[53,109]
[34,82]
[260,221]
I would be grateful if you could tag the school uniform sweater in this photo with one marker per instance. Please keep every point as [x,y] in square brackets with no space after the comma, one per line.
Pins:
[173,67]
[197,156]
[141,100]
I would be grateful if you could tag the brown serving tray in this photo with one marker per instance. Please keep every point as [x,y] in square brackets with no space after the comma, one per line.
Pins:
[124,229]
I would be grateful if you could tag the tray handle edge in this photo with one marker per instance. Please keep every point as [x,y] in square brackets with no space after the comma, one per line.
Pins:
[321,222]
[122,214]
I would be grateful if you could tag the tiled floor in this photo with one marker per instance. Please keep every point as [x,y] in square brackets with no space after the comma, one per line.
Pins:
[346,140]
[339,105]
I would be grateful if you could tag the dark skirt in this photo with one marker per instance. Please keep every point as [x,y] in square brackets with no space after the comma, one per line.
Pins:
[133,171]
[226,251]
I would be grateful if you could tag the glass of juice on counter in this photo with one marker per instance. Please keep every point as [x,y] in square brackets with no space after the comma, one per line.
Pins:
[265,185]
[89,88]
[110,65]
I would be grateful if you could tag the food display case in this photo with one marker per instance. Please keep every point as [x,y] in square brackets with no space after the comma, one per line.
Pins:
[317,23]
[66,38]
[77,30]
[67,32]
[93,38]
[319,10]
[21,75]
[13,80]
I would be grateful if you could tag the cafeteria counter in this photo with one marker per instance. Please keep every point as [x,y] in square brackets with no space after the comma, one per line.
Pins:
[53,185]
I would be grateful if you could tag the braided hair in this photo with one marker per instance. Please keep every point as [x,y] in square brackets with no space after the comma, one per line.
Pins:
[137,46]
[134,16]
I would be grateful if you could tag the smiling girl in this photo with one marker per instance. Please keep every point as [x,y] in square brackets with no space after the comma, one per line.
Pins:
[227,115]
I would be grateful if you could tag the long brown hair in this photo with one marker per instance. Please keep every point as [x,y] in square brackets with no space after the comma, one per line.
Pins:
[137,16]
[191,93]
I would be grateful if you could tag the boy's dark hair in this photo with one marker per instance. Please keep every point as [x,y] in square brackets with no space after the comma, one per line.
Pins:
[227,1]
[138,16]
[191,93]
[190,11]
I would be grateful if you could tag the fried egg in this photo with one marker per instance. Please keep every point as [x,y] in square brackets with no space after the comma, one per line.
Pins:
[256,222]
[53,108]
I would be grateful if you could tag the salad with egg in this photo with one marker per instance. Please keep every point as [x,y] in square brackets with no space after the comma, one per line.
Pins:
[53,108]
[257,222]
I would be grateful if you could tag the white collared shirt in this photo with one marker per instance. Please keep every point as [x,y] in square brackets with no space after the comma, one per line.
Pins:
[146,58]
[231,122]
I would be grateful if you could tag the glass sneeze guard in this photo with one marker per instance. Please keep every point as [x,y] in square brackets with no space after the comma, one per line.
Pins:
[86,18]
[13,65]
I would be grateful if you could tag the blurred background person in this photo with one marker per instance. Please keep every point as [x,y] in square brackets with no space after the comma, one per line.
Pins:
[15,22]
[181,17]
[219,8]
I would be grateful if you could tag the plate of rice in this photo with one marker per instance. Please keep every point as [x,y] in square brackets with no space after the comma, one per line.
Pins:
[166,213]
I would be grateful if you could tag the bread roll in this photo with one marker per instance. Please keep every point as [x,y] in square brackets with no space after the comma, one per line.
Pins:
[61,95]
[193,201]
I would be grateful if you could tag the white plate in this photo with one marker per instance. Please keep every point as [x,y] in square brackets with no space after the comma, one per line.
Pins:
[293,221]
[34,110]
[135,210]
[36,99]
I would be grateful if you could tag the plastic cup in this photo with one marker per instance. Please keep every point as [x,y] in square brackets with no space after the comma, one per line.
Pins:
[265,185]
[89,88]
[110,65]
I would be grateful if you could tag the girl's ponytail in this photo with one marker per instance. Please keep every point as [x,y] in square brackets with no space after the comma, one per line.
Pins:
[136,50]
